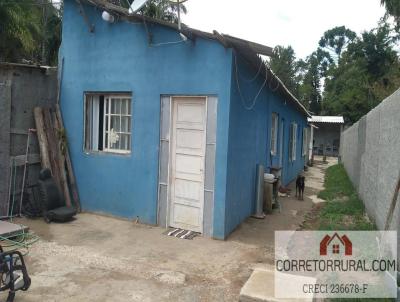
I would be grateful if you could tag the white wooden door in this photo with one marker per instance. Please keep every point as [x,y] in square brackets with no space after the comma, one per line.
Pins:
[187,163]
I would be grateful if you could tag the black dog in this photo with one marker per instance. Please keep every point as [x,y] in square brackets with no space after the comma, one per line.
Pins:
[300,186]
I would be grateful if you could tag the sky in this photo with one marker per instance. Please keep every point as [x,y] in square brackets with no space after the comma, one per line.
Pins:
[282,22]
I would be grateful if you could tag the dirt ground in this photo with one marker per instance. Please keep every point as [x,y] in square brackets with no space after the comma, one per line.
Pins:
[97,258]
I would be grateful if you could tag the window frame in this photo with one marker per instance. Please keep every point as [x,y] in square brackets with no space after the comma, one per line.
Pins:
[109,97]
[274,133]
[304,151]
[107,115]
[293,141]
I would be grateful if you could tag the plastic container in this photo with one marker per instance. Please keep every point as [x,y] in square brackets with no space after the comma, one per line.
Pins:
[269,179]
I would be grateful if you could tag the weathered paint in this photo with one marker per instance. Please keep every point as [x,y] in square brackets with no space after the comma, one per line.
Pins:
[249,140]
[209,167]
[117,57]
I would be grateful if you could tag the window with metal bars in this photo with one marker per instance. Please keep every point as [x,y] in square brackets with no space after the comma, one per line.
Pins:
[292,141]
[274,133]
[108,122]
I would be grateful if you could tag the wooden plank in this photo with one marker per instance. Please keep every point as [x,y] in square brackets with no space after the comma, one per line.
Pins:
[70,171]
[18,131]
[85,17]
[220,38]
[393,203]
[5,113]
[52,145]
[32,159]
[256,47]
[42,138]
[61,145]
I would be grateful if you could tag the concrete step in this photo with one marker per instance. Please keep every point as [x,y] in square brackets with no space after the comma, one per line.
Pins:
[260,287]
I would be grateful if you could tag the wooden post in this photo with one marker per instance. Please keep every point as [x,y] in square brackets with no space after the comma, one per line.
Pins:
[52,141]
[57,156]
[43,143]
[70,171]
[61,160]
[393,203]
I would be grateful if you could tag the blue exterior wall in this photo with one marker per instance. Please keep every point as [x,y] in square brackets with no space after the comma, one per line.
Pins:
[117,57]
[249,140]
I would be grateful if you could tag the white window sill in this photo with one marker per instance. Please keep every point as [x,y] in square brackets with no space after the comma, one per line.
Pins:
[107,152]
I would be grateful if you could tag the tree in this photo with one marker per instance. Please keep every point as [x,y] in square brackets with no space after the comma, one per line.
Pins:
[26,28]
[283,64]
[310,87]
[369,71]
[377,49]
[162,9]
[19,31]
[336,40]
[393,9]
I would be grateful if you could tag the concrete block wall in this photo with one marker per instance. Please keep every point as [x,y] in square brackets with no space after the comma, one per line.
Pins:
[370,153]
[349,151]
[22,87]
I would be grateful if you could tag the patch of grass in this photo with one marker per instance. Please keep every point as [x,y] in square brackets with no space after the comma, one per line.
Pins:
[343,209]
[337,183]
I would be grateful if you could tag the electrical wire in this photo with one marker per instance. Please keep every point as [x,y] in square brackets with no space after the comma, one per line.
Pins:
[255,77]
[254,101]
[150,37]
[276,88]
[167,43]
[22,240]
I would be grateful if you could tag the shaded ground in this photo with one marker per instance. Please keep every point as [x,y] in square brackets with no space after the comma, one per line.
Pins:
[96,258]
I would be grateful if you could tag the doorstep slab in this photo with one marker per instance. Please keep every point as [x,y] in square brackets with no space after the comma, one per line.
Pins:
[260,288]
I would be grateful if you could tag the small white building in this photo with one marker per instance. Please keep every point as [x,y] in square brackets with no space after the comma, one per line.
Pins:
[326,137]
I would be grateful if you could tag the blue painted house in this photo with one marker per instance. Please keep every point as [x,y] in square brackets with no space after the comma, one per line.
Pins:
[169,126]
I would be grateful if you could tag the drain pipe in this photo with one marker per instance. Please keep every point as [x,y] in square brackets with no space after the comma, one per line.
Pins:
[259,192]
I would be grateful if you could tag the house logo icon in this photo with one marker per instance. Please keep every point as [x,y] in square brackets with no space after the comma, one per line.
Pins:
[335,245]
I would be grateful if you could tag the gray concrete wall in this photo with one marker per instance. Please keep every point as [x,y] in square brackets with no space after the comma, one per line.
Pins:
[370,153]
[22,87]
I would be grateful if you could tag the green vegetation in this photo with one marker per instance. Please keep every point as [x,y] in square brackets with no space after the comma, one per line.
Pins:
[343,209]
[337,184]
[164,10]
[30,30]
[347,74]
[393,9]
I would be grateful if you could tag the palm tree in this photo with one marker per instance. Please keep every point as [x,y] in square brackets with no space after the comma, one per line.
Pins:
[393,9]
[29,29]
[161,9]
[19,30]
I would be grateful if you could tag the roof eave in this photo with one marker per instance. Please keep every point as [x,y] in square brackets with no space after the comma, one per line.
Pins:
[254,49]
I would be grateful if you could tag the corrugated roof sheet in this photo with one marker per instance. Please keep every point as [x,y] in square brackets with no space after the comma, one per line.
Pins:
[248,50]
[326,119]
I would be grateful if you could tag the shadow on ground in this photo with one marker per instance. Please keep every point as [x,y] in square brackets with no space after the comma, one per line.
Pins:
[97,258]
